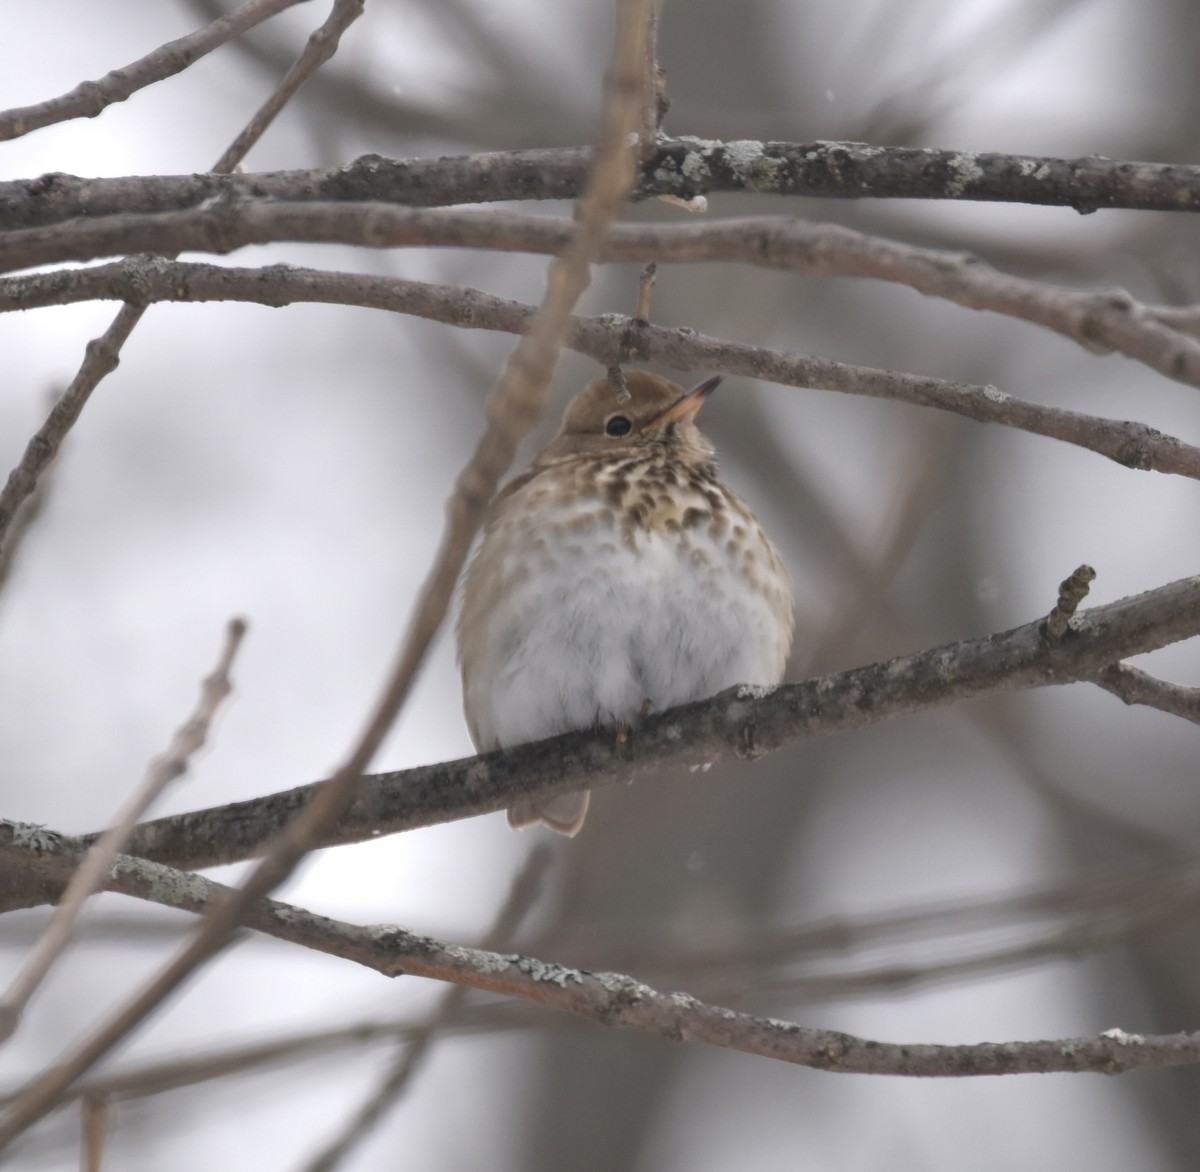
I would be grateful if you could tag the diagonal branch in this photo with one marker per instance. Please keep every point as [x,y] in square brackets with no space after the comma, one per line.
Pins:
[90,98]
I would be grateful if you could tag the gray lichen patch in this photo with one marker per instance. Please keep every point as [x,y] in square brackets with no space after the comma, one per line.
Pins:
[625,988]
[749,160]
[755,691]
[401,940]
[173,888]
[477,778]
[965,170]
[554,974]
[482,961]
[32,836]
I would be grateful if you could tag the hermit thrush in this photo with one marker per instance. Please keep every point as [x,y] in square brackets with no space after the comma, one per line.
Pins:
[616,576]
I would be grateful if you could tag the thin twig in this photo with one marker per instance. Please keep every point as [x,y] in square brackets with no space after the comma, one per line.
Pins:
[90,98]
[1135,686]
[93,871]
[97,1115]
[320,47]
[100,358]
[652,86]
[148,1078]
[523,893]
[27,515]
[513,410]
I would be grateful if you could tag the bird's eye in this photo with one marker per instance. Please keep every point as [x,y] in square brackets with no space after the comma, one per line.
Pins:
[618,425]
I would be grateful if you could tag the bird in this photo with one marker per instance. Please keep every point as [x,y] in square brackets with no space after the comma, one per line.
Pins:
[619,575]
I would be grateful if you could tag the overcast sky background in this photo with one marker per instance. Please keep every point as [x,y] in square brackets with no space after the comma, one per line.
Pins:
[291,466]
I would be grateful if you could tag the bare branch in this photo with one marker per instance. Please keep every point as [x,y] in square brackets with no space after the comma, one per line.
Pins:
[610,339]
[683,167]
[614,999]
[319,48]
[737,724]
[100,358]
[26,516]
[96,1122]
[1100,322]
[90,98]
[1135,686]
[89,879]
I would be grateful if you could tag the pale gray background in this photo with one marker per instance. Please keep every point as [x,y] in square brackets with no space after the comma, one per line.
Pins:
[291,465]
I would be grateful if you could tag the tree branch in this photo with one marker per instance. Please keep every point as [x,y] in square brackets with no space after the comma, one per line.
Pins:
[615,999]
[683,167]
[740,723]
[90,98]
[610,339]
[1100,322]
[1135,686]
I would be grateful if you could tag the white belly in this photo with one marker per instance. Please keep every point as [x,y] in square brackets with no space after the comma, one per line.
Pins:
[569,629]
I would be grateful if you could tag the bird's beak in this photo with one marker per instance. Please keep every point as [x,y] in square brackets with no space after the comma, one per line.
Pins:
[687,407]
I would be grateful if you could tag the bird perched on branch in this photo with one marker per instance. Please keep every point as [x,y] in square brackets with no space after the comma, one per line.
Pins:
[616,576]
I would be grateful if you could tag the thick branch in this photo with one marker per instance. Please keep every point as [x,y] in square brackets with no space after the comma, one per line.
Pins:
[683,167]
[609,339]
[739,723]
